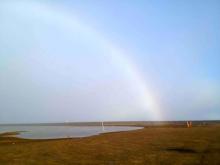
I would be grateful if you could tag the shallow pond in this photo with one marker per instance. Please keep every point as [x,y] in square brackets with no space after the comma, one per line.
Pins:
[54,132]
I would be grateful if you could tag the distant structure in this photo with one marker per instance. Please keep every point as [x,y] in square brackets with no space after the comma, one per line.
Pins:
[103,128]
[189,124]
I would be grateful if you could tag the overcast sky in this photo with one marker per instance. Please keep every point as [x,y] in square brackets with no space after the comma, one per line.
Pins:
[92,60]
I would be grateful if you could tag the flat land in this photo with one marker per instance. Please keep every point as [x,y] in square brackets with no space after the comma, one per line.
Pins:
[151,145]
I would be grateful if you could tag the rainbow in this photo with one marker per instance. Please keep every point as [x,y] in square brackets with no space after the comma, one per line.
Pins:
[65,20]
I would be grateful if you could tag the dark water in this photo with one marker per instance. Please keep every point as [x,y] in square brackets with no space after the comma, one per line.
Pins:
[53,132]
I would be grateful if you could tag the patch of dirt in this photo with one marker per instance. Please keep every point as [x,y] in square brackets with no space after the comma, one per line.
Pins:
[181,150]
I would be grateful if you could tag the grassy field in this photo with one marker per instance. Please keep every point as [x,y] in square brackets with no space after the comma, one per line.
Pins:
[151,145]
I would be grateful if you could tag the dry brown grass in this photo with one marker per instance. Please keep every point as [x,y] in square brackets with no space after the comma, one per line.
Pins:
[168,145]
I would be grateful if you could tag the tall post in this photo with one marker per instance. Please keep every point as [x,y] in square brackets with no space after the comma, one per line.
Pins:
[103,128]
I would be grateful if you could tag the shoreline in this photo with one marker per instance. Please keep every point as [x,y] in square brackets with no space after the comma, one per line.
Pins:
[15,134]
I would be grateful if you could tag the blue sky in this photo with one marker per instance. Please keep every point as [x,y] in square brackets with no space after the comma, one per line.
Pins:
[57,61]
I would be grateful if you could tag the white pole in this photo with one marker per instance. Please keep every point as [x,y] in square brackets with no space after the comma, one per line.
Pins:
[103,128]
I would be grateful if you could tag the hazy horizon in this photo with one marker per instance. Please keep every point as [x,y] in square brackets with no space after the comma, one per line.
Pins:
[109,60]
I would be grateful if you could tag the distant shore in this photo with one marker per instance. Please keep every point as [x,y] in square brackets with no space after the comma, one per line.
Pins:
[121,123]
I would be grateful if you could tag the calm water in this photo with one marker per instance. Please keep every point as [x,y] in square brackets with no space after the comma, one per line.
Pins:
[52,132]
